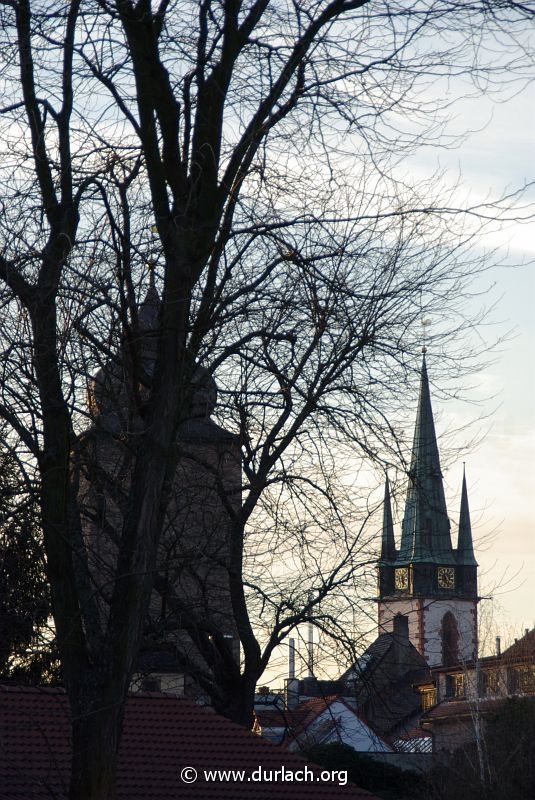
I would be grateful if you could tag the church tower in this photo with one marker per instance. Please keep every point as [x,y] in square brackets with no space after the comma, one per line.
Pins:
[427,580]
[192,591]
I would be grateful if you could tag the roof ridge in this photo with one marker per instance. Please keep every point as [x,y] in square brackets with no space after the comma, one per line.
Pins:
[22,688]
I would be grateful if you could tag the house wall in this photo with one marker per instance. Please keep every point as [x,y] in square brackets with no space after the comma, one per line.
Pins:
[166,683]
[449,735]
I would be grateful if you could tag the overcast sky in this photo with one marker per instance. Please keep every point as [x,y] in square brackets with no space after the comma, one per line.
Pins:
[496,158]
[501,471]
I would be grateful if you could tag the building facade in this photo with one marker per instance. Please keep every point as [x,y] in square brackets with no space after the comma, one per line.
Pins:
[459,699]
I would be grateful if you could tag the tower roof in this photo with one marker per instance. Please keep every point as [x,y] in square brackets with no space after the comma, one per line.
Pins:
[388,545]
[425,533]
[465,546]
[110,390]
[149,309]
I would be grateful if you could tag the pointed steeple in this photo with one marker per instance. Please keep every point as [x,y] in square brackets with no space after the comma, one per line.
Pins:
[388,545]
[108,391]
[149,309]
[465,546]
[425,534]
[425,459]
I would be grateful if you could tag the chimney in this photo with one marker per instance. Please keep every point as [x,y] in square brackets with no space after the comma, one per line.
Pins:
[498,646]
[401,644]
[401,628]
[526,631]
[291,693]
[310,647]
[291,659]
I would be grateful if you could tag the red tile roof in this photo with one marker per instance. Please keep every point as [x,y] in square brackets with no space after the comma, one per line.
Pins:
[274,717]
[297,721]
[162,735]
[299,717]
[311,709]
[522,648]
[522,651]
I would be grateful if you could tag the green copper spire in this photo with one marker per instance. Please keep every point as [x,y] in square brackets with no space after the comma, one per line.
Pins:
[465,547]
[425,533]
[388,545]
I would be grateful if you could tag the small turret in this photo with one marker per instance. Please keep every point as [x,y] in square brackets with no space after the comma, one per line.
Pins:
[467,569]
[465,545]
[388,545]
[388,548]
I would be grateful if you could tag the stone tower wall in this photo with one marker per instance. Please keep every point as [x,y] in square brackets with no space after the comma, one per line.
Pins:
[194,551]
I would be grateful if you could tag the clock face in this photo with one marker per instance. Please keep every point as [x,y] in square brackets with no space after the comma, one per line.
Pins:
[446,577]
[402,578]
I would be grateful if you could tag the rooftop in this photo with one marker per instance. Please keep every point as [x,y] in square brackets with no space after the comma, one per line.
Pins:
[162,735]
[522,651]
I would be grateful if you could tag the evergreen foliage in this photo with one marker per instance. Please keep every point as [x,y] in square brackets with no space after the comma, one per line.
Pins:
[384,780]
[27,653]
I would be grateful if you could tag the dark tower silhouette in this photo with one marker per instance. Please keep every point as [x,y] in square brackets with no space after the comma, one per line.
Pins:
[193,563]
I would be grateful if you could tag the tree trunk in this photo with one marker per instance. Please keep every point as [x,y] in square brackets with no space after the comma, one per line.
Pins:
[237,703]
[95,742]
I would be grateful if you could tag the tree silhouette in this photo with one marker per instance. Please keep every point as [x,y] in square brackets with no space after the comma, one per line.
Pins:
[226,128]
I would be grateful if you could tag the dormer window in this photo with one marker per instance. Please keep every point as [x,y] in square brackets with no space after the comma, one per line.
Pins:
[490,682]
[522,679]
[455,685]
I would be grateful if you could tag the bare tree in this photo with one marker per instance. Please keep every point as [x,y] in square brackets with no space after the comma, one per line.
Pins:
[298,285]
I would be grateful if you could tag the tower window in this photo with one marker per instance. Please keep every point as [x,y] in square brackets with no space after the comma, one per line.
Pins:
[450,640]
